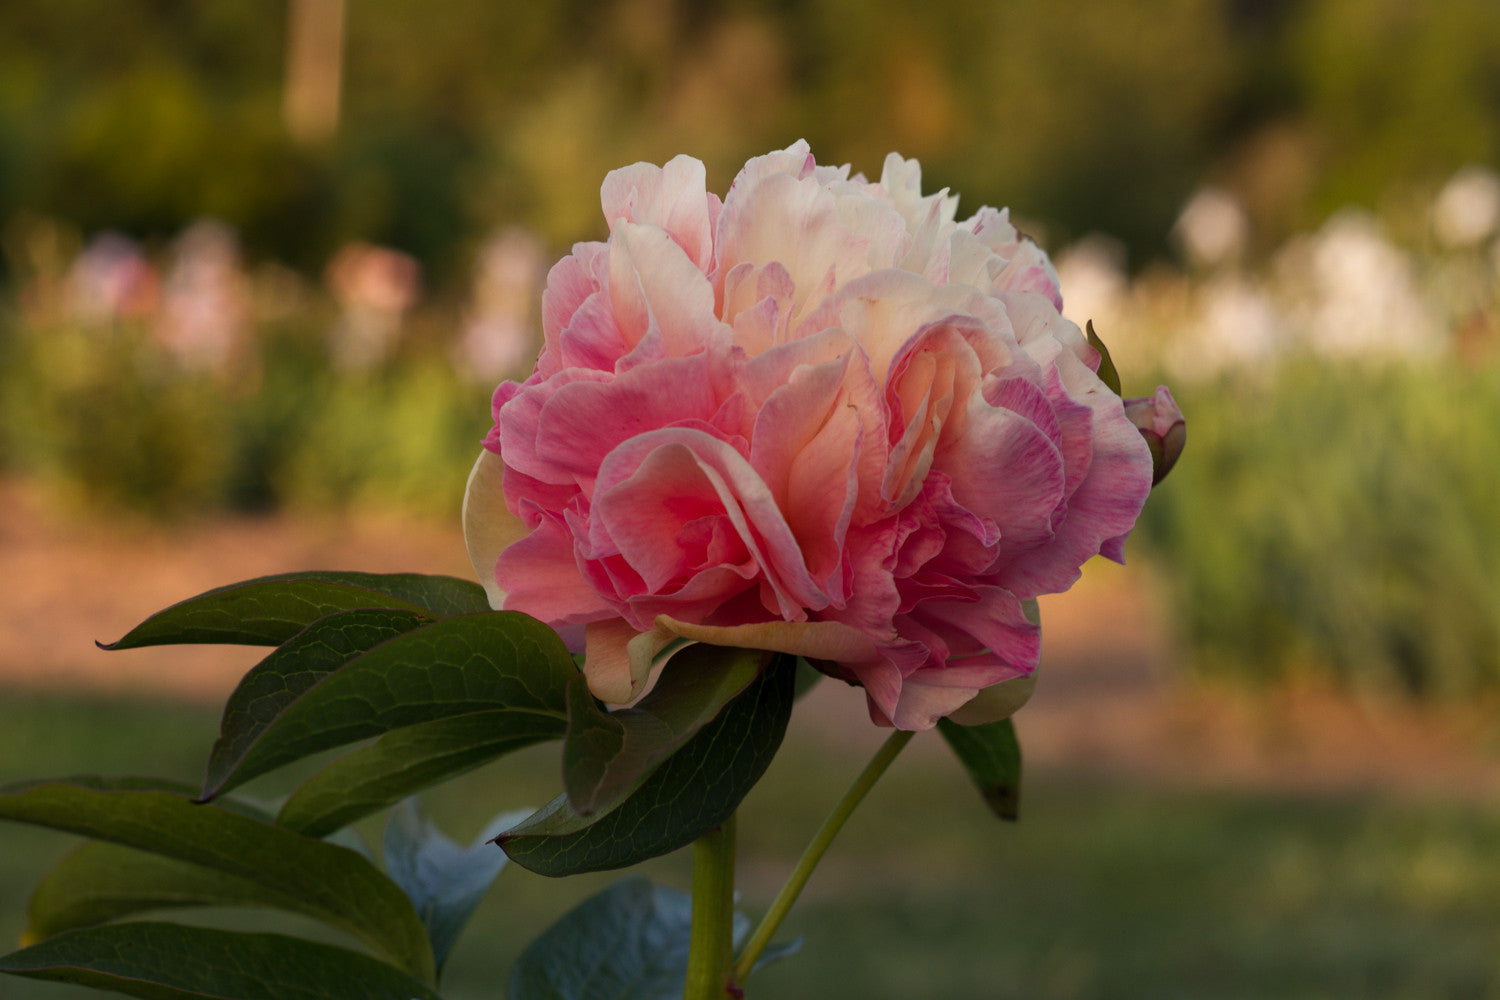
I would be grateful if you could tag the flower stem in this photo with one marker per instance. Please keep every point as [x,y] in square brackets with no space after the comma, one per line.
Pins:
[710,972]
[815,850]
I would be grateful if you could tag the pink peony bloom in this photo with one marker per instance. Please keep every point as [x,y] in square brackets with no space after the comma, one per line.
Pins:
[820,417]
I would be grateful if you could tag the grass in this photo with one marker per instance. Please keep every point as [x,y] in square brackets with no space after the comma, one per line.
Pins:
[1101,891]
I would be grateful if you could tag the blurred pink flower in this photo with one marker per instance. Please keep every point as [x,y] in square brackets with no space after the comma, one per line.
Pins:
[112,280]
[205,312]
[820,417]
[374,286]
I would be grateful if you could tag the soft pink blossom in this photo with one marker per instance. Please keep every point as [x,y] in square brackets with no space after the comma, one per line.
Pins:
[821,417]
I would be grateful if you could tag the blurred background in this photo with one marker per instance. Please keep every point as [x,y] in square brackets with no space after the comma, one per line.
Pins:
[263,264]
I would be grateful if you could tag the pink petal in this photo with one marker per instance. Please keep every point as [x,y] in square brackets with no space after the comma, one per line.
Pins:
[1101,511]
[583,421]
[672,198]
[540,576]
[795,222]
[520,424]
[656,483]
[655,288]
[1005,468]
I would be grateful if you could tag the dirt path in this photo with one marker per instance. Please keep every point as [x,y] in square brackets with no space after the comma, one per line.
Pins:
[1112,699]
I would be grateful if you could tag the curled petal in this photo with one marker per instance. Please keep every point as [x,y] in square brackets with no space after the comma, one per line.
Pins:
[617,659]
[996,702]
[673,198]
[833,641]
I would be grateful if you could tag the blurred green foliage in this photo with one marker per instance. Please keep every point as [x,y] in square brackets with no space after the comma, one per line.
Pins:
[1104,892]
[105,417]
[1338,521]
[1323,521]
[457,118]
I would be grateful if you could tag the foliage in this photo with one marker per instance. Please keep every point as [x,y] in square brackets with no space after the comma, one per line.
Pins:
[1128,888]
[1338,521]
[443,685]
[108,418]
[454,122]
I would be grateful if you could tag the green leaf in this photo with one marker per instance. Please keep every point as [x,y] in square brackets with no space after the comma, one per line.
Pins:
[1107,372]
[334,883]
[100,881]
[287,673]
[992,756]
[808,677]
[500,660]
[444,881]
[405,761]
[269,610]
[629,942]
[693,791]
[607,755]
[161,961]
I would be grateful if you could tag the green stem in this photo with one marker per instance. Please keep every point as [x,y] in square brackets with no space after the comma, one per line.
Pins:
[710,972]
[815,850]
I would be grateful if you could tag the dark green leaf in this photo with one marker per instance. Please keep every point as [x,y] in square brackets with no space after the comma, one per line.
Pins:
[100,881]
[695,790]
[270,610]
[405,761]
[500,660]
[629,942]
[444,881]
[334,883]
[808,677]
[607,755]
[288,672]
[1107,372]
[159,961]
[993,758]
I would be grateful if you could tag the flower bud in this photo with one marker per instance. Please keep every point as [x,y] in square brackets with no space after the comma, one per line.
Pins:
[1162,425]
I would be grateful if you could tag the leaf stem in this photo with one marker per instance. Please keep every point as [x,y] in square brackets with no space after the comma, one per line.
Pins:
[815,850]
[710,971]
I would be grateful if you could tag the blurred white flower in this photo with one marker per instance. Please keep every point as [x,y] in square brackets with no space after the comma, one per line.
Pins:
[1212,229]
[1093,273]
[205,303]
[374,287]
[500,337]
[1466,211]
[1236,326]
[1358,292]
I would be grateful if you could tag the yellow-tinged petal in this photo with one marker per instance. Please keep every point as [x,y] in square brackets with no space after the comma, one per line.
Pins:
[617,659]
[814,640]
[489,526]
[996,702]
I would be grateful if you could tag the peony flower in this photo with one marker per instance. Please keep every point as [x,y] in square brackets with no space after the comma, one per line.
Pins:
[820,417]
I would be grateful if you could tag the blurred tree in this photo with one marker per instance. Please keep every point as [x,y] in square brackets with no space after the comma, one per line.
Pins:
[314,68]
[456,118]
